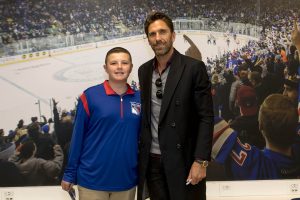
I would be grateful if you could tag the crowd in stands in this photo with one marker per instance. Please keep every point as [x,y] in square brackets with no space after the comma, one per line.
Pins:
[241,79]
[36,154]
[32,19]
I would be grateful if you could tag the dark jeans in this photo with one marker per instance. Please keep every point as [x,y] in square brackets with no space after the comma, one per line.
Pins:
[158,187]
[156,179]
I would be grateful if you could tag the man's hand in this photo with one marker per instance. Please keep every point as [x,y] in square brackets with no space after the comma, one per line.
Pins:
[197,173]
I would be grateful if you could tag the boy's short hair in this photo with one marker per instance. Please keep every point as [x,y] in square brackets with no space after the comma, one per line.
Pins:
[117,50]
[152,17]
[278,120]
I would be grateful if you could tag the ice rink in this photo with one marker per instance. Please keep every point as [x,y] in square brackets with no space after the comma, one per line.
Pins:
[64,77]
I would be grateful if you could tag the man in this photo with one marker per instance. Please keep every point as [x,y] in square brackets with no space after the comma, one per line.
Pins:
[103,151]
[290,86]
[260,89]
[242,79]
[247,123]
[177,120]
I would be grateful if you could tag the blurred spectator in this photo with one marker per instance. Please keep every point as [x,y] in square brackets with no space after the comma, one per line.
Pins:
[247,123]
[291,85]
[242,79]
[10,175]
[279,71]
[215,91]
[46,129]
[293,61]
[63,131]
[21,133]
[63,126]
[44,143]
[224,95]
[260,90]
[278,120]
[6,148]
[38,171]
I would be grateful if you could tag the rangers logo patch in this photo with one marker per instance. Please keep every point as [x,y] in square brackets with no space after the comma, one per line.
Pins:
[135,108]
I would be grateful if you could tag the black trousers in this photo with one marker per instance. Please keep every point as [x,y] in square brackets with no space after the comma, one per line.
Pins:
[158,187]
[156,179]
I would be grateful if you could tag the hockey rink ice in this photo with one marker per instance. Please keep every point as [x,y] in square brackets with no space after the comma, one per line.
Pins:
[65,77]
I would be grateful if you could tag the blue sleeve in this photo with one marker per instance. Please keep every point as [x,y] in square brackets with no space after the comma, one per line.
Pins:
[243,160]
[80,128]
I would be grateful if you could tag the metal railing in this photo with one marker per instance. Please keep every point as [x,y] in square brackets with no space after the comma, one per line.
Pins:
[59,41]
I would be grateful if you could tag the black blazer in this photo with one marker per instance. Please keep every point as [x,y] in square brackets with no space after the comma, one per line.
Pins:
[185,124]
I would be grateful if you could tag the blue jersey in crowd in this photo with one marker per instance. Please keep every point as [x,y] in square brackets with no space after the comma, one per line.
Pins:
[246,162]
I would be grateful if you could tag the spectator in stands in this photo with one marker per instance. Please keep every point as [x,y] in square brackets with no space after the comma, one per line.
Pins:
[215,91]
[260,90]
[44,121]
[291,87]
[224,94]
[293,62]
[242,79]
[283,55]
[7,148]
[21,132]
[270,81]
[34,119]
[63,127]
[37,171]
[280,159]
[247,123]
[44,142]
[279,71]
[46,129]
[10,174]
[51,125]
[104,147]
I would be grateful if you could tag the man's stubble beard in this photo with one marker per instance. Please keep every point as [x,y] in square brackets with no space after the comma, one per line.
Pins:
[167,48]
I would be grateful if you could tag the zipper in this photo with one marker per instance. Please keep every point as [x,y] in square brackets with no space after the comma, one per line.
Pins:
[121,99]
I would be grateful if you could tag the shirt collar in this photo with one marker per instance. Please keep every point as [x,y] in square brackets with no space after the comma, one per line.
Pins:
[155,62]
[110,91]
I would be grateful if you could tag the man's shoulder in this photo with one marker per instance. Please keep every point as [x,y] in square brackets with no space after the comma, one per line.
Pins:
[189,60]
[144,68]
[147,64]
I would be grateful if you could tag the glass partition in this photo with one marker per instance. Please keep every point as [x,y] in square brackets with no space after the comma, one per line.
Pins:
[59,41]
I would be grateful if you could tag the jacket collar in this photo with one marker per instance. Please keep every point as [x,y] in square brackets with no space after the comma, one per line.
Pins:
[174,75]
[110,91]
